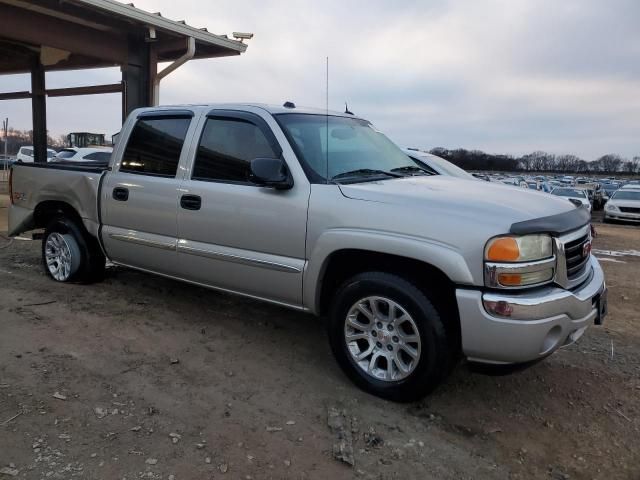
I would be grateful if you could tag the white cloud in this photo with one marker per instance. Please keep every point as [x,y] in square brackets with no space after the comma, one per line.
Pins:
[502,75]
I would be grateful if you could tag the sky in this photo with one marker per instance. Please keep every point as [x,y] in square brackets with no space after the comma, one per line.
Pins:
[503,76]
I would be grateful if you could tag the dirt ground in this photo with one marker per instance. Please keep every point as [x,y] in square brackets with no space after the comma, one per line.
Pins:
[143,377]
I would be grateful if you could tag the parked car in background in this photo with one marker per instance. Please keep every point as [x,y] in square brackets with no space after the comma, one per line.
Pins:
[482,176]
[25,154]
[624,204]
[6,162]
[546,187]
[575,194]
[515,181]
[608,189]
[437,165]
[412,271]
[82,155]
[567,180]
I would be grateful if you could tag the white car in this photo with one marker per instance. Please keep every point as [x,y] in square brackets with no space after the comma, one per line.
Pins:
[75,154]
[574,194]
[624,204]
[436,164]
[25,154]
[516,182]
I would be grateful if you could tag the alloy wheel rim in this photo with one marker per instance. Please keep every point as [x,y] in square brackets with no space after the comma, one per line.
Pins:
[58,256]
[382,338]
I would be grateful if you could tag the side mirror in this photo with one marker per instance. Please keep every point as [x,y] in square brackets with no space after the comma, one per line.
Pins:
[270,172]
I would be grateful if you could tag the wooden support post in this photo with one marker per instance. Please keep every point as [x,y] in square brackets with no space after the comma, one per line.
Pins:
[136,77]
[39,112]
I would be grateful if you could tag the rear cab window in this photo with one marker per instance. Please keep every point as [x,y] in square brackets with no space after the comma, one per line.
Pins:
[155,144]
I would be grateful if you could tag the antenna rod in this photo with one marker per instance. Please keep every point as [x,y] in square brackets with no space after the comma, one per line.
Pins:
[327,119]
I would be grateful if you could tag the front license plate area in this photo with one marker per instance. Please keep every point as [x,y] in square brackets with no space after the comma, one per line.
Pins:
[603,308]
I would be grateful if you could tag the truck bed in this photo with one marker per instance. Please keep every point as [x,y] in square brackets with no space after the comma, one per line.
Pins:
[33,184]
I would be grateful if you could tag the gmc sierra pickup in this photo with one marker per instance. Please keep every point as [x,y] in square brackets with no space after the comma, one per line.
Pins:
[320,212]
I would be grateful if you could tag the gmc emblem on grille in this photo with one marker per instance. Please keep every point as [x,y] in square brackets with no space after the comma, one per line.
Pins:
[586,249]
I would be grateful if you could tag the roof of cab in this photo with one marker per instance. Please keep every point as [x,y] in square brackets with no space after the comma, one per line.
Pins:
[272,109]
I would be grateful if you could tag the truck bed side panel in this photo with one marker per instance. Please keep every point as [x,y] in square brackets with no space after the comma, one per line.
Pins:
[33,185]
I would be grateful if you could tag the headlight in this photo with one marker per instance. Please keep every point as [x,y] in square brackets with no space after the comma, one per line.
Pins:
[610,207]
[515,262]
[527,248]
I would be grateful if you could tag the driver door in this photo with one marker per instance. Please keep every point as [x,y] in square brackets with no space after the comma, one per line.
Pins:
[233,234]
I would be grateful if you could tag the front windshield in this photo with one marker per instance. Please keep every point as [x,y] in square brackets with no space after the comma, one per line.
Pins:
[568,192]
[353,146]
[626,195]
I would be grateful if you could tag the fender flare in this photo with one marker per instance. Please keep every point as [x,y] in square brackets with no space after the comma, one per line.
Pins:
[439,255]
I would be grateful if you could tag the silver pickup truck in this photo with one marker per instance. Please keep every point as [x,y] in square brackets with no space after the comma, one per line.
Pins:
[320,212]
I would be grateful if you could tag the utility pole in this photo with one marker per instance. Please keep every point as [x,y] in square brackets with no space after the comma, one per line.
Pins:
[5,127]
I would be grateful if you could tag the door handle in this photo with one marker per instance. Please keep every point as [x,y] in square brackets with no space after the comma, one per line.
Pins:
[190,202]
[121,194]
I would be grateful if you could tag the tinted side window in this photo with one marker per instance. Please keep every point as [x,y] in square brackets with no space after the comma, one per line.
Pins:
[154,146]
[226,149]
[66,153]
[100,156]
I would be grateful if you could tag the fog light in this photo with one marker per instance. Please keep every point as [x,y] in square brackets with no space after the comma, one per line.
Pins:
[501,308]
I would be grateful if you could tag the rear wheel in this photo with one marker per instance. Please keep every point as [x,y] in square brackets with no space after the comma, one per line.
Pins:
[70,254]
[388,337]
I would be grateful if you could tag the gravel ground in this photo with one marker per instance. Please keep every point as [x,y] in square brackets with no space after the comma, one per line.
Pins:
[143,377]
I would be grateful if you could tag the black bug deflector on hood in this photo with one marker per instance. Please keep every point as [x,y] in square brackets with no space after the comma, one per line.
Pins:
[554,224]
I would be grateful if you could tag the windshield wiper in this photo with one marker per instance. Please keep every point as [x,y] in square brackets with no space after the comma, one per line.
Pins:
[412,169]
[365,172]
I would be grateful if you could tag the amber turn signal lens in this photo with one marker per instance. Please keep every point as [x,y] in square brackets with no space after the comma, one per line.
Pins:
[510,279]
[504,250]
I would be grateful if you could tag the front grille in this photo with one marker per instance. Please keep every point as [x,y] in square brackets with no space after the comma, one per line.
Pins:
[629,209]
[575,258]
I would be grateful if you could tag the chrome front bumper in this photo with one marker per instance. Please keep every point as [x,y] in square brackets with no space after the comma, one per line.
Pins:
[530,325]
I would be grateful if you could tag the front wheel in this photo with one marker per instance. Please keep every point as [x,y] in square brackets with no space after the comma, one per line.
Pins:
[388,337]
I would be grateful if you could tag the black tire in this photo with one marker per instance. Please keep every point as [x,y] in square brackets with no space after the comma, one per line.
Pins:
[87,257]
[435,360]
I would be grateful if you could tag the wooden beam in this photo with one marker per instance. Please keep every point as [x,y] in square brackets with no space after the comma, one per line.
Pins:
[15,95]
[38,29]
[68,92]
[89,90]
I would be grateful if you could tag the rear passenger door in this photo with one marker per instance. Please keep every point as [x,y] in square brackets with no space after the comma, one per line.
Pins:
[233,234]
[140,196]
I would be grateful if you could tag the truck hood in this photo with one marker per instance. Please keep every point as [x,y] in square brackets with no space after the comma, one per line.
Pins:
[467,200]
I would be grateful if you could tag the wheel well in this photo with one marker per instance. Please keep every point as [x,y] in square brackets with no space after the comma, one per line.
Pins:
[46,211]
[440,290]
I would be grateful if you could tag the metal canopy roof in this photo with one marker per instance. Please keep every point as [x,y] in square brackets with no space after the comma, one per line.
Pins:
[73,34]
[37,36]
